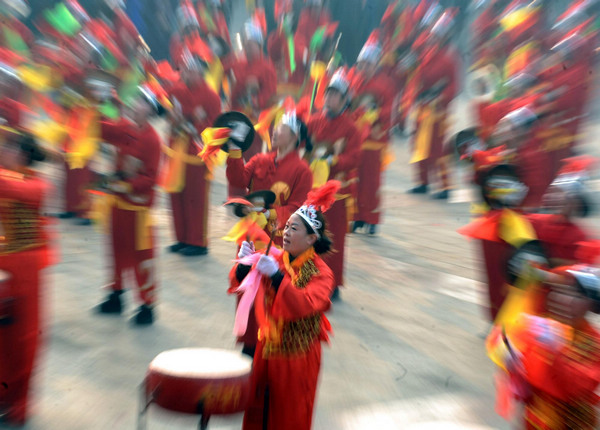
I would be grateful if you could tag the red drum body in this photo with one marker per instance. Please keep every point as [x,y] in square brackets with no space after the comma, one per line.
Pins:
[7,299]
[199,381]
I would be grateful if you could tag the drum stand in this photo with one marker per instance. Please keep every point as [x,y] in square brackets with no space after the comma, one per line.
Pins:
[144,402]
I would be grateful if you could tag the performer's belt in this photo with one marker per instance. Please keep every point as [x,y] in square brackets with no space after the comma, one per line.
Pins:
[173,177]
[143,234]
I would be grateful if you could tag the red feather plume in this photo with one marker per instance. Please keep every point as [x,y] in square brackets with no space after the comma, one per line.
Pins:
[323,197]
[578,164]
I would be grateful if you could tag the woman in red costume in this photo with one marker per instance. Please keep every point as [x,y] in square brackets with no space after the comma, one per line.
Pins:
[284,173]
[292,297]
[281,171]
[23,254]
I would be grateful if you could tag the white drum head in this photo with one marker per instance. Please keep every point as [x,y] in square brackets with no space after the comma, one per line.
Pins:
[201,363]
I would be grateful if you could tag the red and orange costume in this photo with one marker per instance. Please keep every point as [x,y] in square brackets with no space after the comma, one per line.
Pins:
[23,254]
[288,356]
[189,176]
[326,132]
[131,231]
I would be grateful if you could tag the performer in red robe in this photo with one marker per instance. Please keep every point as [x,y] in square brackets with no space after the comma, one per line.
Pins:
[553,363]
[255,81]
[374,92]
[129,205]
[336,155]
[197,107]
[436,79]
[282,172]
[23,254]
[290,303]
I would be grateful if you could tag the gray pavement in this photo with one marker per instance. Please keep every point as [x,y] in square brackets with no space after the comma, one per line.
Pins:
[407,351]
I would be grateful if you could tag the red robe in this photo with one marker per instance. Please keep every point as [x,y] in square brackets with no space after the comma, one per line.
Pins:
[563,381]
[127,214]
[532,163]
[374,147]
[288,356]
[190,206]
[326,132]
[23,253]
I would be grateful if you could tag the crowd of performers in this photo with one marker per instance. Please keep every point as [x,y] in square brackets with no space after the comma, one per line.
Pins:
[531,83]
[305,137]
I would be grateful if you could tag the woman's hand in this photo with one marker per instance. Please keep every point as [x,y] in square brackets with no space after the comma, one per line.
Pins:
[246,250]
[267,265]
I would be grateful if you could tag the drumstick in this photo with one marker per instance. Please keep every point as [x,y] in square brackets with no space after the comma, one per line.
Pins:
[270,242]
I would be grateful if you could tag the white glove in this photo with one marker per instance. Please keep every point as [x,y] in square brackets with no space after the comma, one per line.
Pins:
[267,265]
[246,250]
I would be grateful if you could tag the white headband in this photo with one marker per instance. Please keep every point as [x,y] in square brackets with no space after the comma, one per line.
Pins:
[309,214]
[290,119]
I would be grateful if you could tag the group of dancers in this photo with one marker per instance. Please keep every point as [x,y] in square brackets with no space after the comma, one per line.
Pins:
[305,137]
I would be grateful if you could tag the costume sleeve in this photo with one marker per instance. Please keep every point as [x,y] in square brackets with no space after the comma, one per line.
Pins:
[350,157]
[238,174]
[30,190]
[150,156]
[297,197]
[292,303]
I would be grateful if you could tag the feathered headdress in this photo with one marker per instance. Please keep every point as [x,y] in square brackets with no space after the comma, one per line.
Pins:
[318,200]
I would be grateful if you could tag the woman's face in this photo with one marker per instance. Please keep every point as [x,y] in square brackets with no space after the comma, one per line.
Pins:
[283,138]
[296,239]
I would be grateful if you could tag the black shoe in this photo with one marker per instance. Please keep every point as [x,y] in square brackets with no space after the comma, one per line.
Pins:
[372,229]
[83,221]
[421,189]
[144,316]
[192,251]
[112,304]
[335,297]
[176,247]
[442,195]
[357,225]
[67,215]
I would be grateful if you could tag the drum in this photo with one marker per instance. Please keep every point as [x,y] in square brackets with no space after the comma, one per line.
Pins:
[7,300]
[199,381]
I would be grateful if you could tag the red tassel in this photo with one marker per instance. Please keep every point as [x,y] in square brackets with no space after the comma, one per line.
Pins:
[324,197]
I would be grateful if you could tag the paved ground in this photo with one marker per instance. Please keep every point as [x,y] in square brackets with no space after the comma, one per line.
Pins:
[408,347]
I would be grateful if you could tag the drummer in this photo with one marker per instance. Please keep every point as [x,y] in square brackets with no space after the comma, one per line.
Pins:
[282,171]
[129,202]
[292,297]
[23,254]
